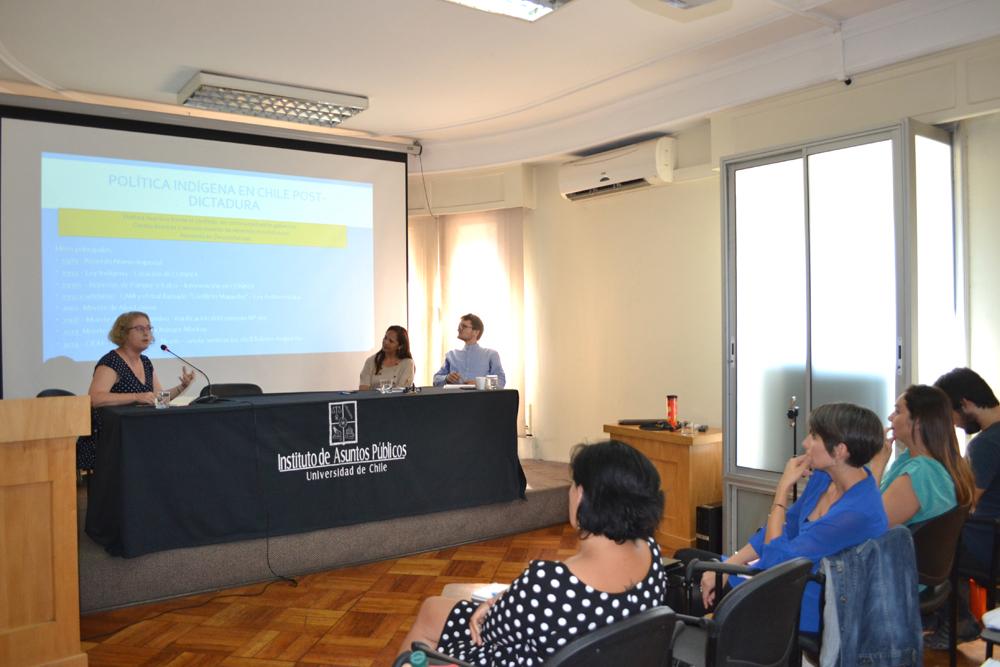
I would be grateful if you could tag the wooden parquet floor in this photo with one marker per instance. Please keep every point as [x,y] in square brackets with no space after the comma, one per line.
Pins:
[352,617]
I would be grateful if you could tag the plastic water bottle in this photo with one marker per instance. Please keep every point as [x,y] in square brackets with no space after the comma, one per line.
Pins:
[418,659]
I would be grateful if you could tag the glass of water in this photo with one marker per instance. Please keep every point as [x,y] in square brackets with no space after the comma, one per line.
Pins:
[163,399]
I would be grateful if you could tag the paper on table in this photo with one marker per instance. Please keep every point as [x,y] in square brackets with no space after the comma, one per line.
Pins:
[485,592]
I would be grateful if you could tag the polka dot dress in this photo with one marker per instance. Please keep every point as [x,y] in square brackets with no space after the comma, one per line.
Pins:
[545,608]
[128,383]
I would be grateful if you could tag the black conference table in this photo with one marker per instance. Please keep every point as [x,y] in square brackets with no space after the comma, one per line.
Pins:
[287,463]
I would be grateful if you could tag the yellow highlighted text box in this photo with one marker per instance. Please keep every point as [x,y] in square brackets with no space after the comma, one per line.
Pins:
[207,229]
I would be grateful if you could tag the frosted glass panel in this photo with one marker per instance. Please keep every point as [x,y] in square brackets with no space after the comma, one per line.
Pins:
[940,343]
[770,309]
[853,276]
[753,508]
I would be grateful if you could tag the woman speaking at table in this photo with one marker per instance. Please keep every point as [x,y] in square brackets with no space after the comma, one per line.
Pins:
[393,362]
[123,376]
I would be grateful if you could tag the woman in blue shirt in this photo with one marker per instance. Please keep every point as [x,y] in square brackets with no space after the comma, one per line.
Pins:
[929,475]
[839,508]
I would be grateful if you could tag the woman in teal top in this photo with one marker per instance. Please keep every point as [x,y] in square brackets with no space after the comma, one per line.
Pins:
[929,475]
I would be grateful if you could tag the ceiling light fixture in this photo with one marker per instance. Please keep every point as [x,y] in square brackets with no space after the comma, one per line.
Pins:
[527,10]
[261,99]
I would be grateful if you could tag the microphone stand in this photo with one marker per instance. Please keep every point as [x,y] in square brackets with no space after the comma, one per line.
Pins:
[793,417]
[207,398]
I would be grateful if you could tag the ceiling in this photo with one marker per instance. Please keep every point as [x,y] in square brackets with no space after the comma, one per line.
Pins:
[478,89]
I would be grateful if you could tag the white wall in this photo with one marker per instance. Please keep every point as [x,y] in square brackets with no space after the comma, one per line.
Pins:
[625,302]
[983,181]
[623,295]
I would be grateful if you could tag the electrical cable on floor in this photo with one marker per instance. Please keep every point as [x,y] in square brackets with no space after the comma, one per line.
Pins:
[267,547]
[192,606]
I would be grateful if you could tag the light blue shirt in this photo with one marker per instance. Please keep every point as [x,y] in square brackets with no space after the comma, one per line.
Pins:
[471,362]
[932,485]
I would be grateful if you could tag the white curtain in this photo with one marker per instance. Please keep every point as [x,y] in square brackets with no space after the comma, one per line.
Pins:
[467,263]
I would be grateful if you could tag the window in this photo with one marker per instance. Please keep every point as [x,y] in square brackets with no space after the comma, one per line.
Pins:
[841,286]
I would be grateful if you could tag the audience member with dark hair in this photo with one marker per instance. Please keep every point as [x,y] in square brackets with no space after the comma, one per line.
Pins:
[929,475]
[393,362]
[615,503]
[839,508]
[975,409]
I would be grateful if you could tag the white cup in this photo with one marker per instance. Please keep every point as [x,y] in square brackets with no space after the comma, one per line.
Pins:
[163,399]
[481,382]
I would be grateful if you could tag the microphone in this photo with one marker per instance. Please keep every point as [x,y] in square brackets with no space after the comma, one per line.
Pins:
[793,412]
[207,398]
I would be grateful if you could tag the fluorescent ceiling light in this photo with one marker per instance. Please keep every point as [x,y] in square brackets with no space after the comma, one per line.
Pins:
[528,10]
[269,100]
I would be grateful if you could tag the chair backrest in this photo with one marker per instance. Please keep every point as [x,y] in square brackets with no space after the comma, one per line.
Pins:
[45,393]
[757,623]
[644,640]
[935,542]
[233,389]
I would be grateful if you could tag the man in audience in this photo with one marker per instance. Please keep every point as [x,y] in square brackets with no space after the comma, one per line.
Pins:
[465,365]
[975,410]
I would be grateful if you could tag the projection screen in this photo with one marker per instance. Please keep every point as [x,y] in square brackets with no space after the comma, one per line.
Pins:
[260,260]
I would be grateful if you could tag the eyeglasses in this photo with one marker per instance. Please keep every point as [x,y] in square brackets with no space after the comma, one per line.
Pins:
[141,329]
[463,325]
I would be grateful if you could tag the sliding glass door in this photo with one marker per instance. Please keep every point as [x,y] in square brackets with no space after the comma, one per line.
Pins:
[823,246]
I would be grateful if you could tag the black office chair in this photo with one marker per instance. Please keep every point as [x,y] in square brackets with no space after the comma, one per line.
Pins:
[645,640]
[935,544]
[756,623]
[231,390]
[47,393]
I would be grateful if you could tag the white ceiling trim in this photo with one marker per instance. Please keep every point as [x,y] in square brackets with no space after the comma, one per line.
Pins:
[918,28]
[911,29]
[610,77]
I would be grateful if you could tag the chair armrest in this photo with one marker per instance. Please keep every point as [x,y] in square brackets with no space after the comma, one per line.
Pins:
[437,658]
[699,621]
[696,566]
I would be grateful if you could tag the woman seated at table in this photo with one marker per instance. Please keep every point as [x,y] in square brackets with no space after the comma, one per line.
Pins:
[393,363]
[839,508]
[929,475]
[123,376]
[615,503]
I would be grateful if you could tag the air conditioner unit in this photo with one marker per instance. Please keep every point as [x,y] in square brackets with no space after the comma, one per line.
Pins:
[628,168]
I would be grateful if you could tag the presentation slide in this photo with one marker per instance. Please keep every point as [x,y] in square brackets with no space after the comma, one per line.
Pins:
[224,259]
[259,263]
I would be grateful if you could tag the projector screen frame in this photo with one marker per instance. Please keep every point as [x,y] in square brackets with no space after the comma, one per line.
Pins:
[243,136]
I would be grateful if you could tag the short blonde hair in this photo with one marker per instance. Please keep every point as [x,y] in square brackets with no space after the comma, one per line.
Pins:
[119,330]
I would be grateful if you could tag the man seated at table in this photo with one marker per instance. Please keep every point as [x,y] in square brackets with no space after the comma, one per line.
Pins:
[465,365]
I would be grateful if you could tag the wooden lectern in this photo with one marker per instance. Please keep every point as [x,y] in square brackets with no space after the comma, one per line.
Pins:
[39,586]
[690,468]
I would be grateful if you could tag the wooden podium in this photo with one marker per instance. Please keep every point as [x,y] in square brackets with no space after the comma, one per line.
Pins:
[39,587]
[690,468]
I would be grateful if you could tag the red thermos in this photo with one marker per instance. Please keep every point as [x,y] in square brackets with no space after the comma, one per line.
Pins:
[672,409]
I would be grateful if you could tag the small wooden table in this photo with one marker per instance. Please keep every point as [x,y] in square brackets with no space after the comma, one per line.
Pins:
[690,468]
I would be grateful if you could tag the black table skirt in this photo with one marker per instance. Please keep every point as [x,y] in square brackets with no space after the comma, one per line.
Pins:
[288,463]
